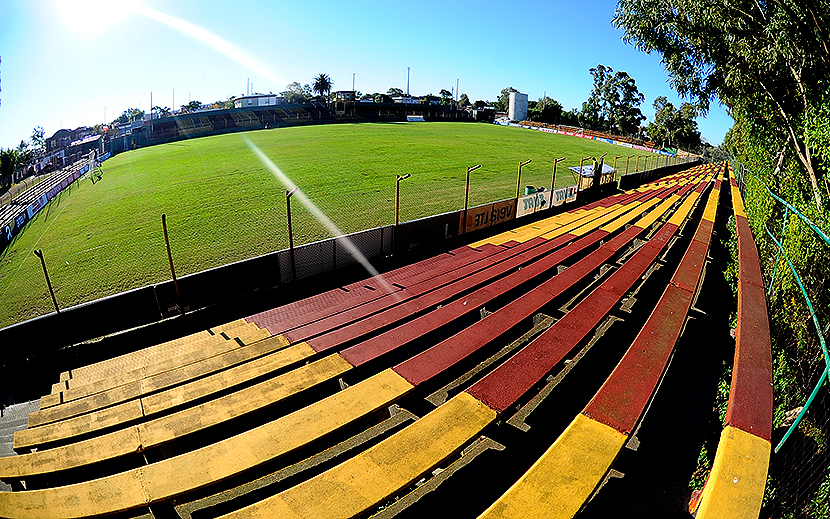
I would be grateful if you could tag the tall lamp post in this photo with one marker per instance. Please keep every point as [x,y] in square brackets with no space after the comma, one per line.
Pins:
[290,232]
[519,179]
[467,195]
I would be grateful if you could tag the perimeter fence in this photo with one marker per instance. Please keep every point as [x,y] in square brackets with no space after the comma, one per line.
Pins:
[113,253]
[794,248]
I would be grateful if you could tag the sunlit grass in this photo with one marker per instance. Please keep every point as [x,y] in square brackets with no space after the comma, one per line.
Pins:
[222,205]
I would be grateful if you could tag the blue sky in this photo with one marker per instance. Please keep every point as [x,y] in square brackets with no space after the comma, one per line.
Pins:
[65,63]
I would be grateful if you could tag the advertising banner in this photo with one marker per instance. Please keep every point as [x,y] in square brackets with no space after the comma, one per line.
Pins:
[531,203]
[486,215]
[563,195]
[10,230]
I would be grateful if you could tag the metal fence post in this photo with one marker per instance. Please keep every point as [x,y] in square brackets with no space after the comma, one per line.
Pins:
[170,260]
[290,233]
[39,254]
[467,196]
[397,207]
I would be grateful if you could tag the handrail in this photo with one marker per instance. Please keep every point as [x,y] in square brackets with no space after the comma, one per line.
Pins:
[806,406]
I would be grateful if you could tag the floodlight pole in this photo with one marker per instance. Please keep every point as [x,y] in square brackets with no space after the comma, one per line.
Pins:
[467,197]
[39,254]
[170,260]
[290,232]
[553,178]
[519,179]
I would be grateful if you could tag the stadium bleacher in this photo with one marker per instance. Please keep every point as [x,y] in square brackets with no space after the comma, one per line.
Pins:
[325,407]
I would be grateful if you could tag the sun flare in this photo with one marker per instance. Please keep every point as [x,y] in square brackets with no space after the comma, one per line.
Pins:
[90,18]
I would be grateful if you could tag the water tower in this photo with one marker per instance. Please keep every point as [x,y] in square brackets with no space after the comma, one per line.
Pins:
[518,106]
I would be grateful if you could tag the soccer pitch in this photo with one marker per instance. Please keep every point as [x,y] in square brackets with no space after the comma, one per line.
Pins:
[223,205]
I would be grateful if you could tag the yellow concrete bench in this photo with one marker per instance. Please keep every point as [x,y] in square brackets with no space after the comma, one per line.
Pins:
[159,431]
[159,361]
[142,357]
[154,382]
[136,409]
[213,463]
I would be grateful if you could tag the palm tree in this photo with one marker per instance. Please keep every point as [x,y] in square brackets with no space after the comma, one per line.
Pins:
[322,84]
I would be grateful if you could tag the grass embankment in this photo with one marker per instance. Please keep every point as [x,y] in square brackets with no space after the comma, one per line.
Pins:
[223,205]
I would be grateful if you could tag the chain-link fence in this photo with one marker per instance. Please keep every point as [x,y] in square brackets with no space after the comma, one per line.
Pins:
[120,245]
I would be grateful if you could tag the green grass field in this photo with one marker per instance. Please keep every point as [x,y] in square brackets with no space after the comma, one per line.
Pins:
[223,205]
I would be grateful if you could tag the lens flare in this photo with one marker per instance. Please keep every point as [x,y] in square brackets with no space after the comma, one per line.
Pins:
[223,46]
[88,18]
[320,216]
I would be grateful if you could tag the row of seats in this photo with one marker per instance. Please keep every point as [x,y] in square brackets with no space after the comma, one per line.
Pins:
[735,487]
[291,381]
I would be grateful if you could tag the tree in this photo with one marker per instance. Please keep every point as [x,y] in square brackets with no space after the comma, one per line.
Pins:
[191,107]
[614,102]
[322,84]
[39,141]
[129,115]
[446,96]
[9,163]
[503,102]
[673,127]
[768,62]
[464,100]
[395,91]
[295,93]
[546,110]
[162,111]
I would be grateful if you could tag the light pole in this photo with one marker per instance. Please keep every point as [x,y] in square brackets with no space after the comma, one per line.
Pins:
[290,232]
[553,178]
[467,196]
[519,179]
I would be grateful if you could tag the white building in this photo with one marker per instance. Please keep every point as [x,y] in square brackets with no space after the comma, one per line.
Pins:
[258,100]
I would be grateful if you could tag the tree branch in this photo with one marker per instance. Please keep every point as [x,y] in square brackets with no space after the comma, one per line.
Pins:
[805,159]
